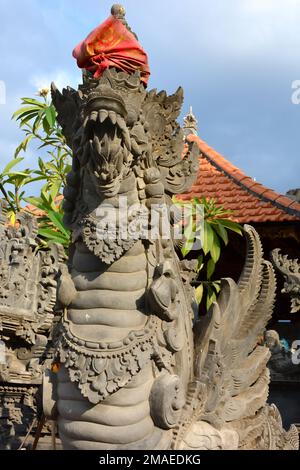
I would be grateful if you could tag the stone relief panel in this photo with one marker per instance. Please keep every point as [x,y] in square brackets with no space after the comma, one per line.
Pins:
[28,282]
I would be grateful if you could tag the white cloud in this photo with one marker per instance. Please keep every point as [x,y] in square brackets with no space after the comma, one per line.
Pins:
[243,30]
[7,150]
[61,78]
[270,6]
[264,27]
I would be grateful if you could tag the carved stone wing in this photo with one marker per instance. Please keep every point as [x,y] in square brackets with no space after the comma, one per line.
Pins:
[177,160]
[231,368]
[161,112]
[67,105]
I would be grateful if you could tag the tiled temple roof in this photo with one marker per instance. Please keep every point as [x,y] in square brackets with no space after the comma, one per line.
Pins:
[250,201]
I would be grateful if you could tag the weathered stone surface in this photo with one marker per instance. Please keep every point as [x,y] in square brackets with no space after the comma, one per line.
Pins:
[290,270]
[150,375]
[28,281]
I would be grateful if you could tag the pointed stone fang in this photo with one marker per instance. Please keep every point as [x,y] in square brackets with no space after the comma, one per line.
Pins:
[103,114]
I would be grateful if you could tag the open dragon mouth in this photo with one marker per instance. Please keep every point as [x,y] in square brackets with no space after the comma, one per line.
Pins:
[106,142]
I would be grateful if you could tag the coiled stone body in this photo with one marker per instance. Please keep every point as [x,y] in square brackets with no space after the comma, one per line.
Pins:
[108,307]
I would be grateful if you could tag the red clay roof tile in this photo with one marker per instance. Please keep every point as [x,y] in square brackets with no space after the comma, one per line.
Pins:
[294,206]
[250,201]
[285,201]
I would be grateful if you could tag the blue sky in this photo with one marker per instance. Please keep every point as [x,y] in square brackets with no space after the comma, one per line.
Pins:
[236,60]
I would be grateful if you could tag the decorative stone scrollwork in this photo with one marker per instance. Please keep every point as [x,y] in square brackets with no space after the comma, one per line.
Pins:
[139,370]
[28,282]
[101,369]
[290,269]
[163,292]
[167,400]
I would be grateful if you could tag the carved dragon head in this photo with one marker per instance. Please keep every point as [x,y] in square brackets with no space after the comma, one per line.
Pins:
[114,126]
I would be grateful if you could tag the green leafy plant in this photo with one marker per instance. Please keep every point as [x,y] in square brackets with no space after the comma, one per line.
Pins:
[51,226]
[17,180]
[212,233]
[37,118]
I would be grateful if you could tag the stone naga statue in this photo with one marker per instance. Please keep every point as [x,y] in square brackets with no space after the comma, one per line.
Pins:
[137,369]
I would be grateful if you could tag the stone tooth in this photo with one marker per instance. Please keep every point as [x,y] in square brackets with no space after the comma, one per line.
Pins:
[120,164]
[127,141]
[125,132]
[97,144]
[113,117]
[126,157]
[103,114]
[86,121]
[94,116]
[121,123]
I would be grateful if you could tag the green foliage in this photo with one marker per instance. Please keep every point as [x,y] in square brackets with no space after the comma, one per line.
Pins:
[211,229]
[16,181]
[51,227]
[37,120]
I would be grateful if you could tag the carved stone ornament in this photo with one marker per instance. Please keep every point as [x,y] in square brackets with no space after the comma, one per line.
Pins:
[101,369]
[290,269]
[27,281]
[18,409]
[190,123]
[137,369]
[106,247]
[28,284]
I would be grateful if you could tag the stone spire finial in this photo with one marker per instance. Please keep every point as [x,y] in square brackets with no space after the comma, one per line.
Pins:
[119,12]
[190,123]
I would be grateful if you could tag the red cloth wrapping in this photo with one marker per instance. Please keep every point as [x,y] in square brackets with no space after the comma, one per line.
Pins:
[112,45]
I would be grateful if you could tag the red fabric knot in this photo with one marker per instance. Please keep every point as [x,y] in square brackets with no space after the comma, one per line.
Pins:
[112,45]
